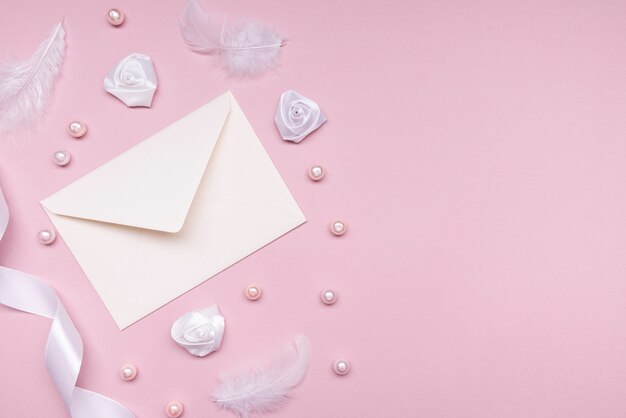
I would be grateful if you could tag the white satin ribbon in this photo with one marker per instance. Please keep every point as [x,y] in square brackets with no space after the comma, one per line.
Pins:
[4,214]
[64,349]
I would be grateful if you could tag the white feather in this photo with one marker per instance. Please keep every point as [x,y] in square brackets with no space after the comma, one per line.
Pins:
[26,86]
[245,49]
[265,389]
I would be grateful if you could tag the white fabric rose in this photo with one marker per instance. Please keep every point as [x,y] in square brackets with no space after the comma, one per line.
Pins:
[297,116]
[200,332]
[132,80]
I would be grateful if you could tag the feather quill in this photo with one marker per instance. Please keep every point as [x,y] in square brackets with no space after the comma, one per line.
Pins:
[244,49]
[265,389]
[26,86]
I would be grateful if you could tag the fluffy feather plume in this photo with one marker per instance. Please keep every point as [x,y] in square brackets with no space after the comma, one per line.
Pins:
[26,86]
[265,390]
[245,49]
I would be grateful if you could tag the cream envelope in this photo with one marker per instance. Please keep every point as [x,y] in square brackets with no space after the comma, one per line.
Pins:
[174,210]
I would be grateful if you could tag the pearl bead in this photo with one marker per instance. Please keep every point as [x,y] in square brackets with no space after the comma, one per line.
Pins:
[47,236]
[338,228]
[128,372]
[329,297]
[341,367]
[128,79]
[62,158]
[316,173]
[77,129]
[253,292]
[174,409]
[115,17]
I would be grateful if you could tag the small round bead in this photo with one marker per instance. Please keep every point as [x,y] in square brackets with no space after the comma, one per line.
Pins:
[341,367]
[77,129]
[62,158]
[128,372]
[316,173]
[253,292]
[328,297]
[115,17]
[46,236]
[338,228]
[174,409]
[128,79]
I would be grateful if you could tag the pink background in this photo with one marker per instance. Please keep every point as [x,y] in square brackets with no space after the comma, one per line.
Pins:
[477,152]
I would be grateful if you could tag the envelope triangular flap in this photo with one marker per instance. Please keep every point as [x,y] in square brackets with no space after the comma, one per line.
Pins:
[152,185]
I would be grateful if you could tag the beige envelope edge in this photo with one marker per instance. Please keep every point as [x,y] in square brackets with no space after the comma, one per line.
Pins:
[173,211]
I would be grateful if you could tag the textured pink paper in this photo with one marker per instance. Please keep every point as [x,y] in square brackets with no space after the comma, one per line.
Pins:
[476,150]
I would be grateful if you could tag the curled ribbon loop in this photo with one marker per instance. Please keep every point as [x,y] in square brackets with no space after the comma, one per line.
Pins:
[64,350]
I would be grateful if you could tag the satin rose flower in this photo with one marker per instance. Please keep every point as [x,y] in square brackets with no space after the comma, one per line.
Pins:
[132,80]
[297,116]
[200,332]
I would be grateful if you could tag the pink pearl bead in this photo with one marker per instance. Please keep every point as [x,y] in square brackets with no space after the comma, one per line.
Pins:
[77,129]
[253,292]
[174,409]
[47,236]
[341,367]
[316,173]
[115,17]
[128,372]
[338,228]
[328,297]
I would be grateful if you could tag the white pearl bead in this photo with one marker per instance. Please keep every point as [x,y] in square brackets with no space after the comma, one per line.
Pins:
[338,228]
[329,297]
[128,372]
[62,158]
[128,79]
[46,236]
[174,409]
[77,129]
[253,292]
[316,173]
[115,17]
[341,367]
